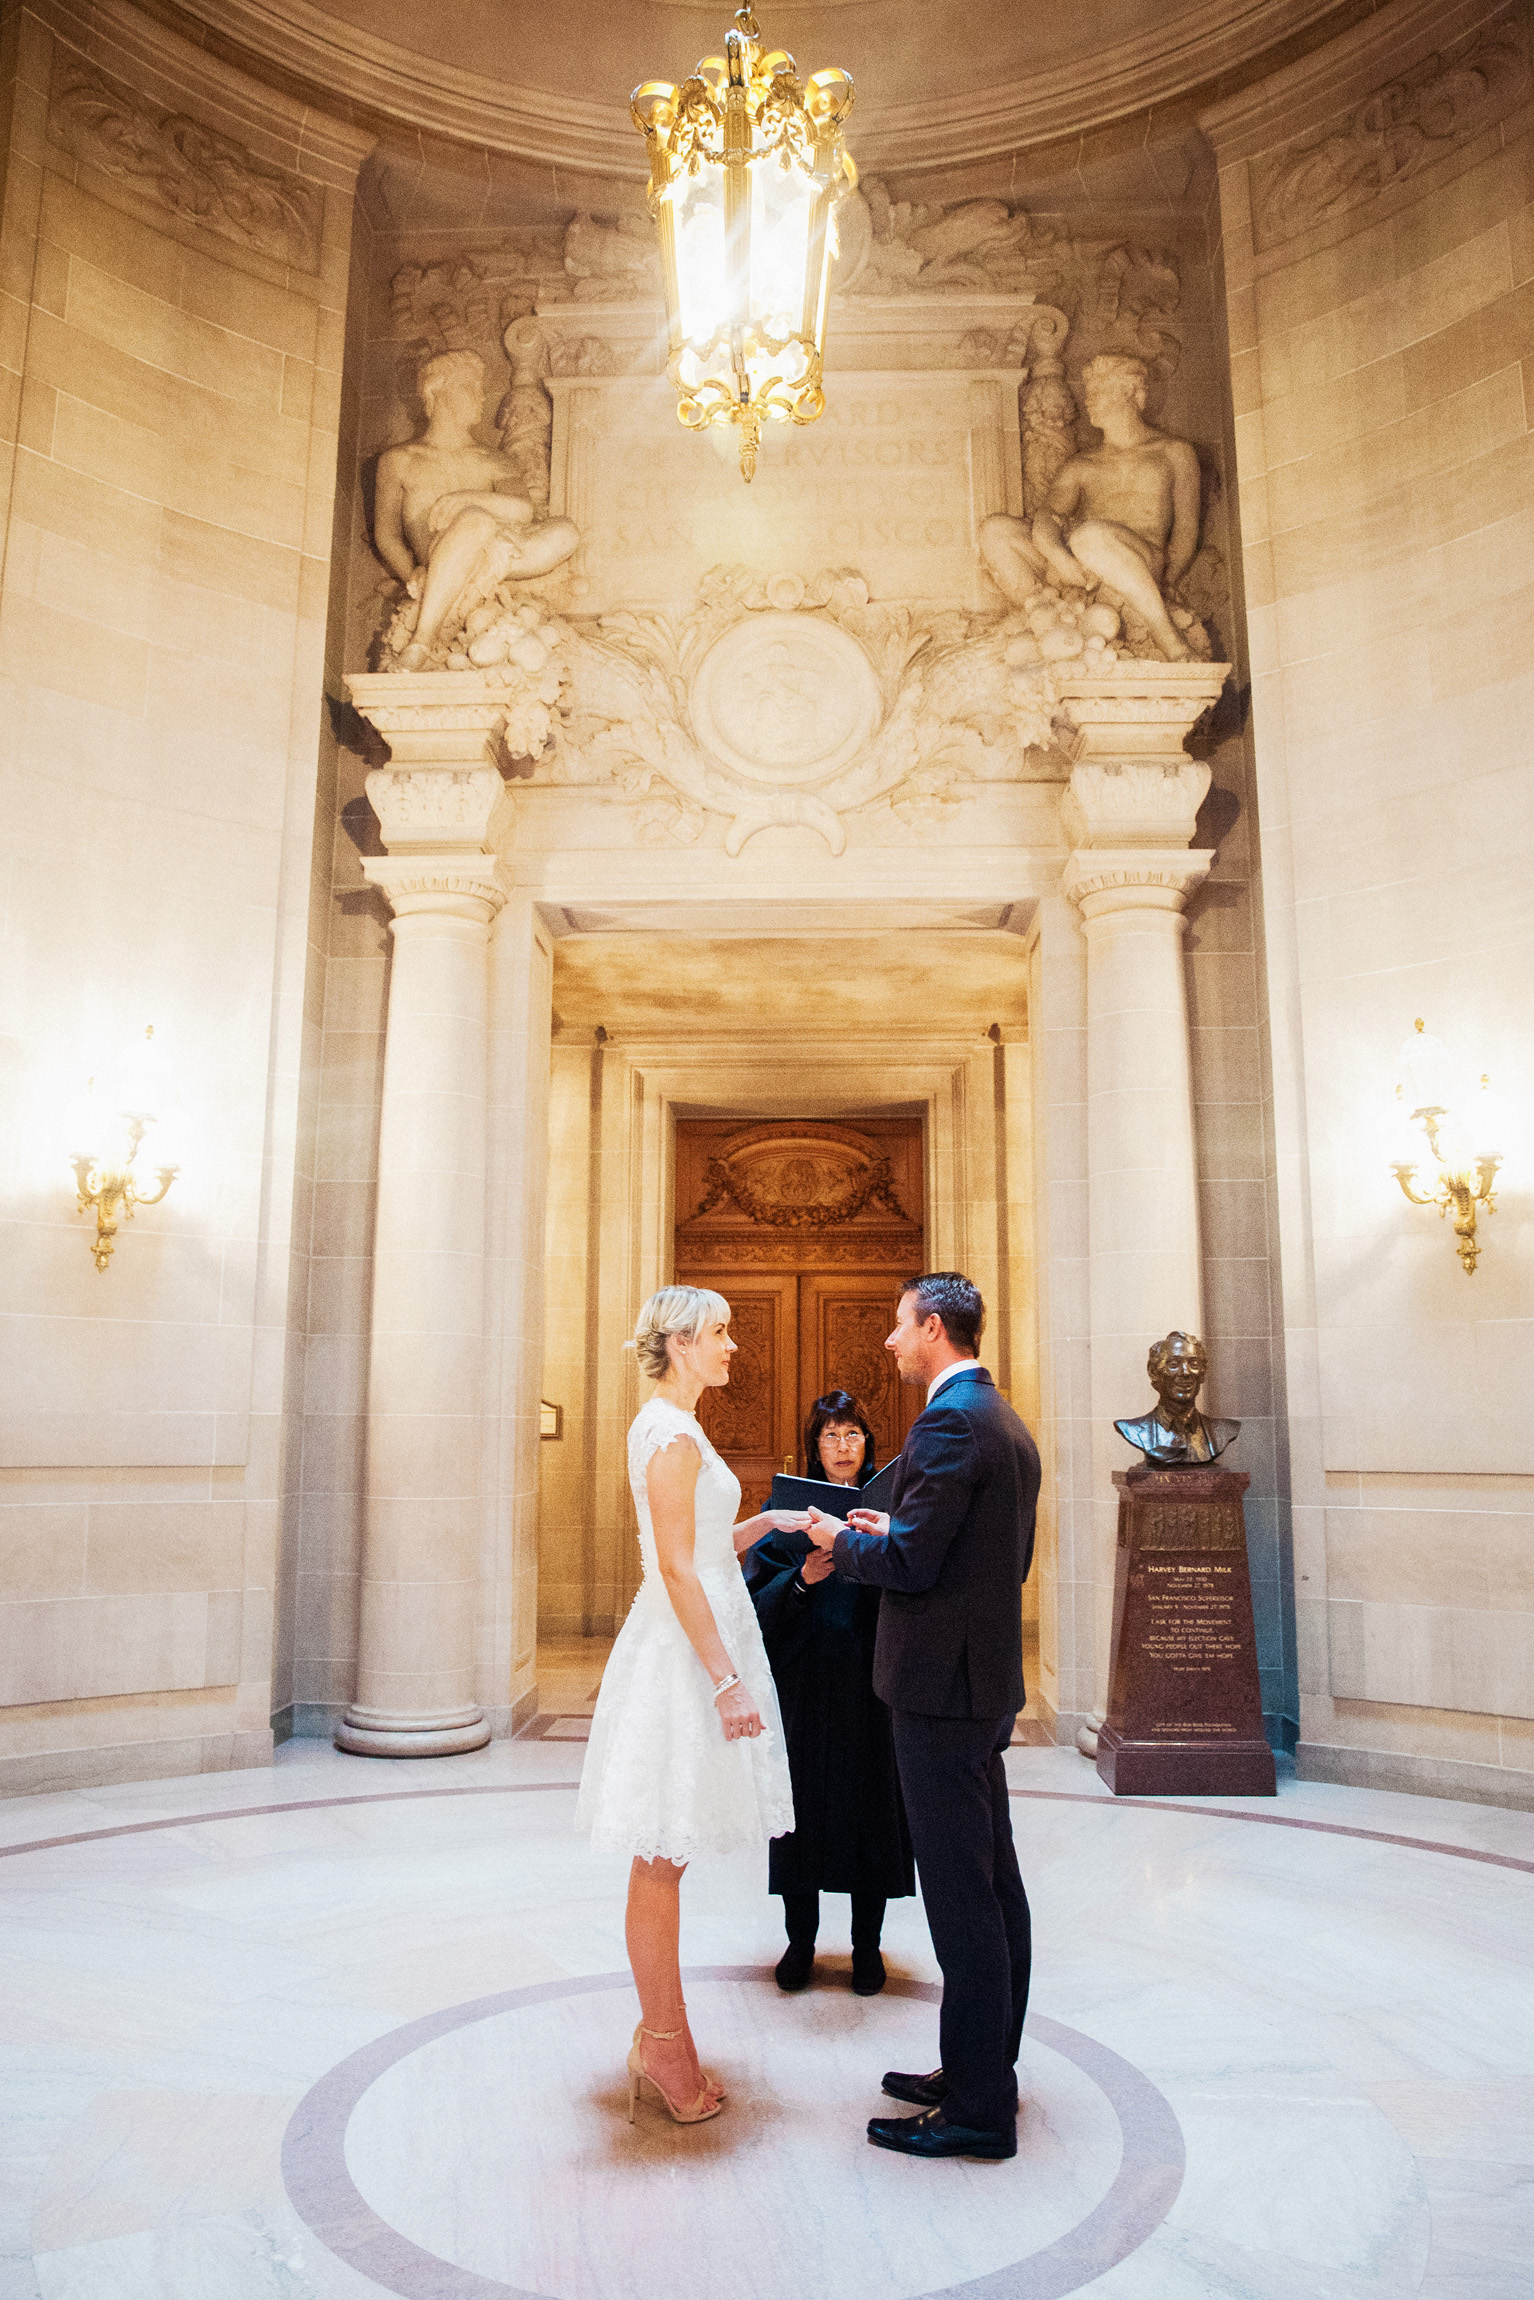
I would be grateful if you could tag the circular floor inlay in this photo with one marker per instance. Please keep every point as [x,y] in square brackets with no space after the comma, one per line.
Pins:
[484,2153]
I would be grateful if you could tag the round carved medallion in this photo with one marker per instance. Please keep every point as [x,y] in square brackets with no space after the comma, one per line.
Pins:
[785,699]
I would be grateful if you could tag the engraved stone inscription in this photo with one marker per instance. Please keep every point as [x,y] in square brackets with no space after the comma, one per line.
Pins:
[895,478]
[1184,1701]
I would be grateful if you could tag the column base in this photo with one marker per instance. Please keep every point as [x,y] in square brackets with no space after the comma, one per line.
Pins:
[406,1733]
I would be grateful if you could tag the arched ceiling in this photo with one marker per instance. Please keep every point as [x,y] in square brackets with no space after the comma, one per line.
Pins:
[940,82]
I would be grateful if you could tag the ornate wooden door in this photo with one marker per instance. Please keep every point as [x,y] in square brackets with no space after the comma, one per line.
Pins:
[807,1230]
[752,1421]
[844,1316]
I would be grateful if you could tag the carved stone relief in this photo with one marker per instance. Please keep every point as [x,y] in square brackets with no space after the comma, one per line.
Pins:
[809,1185]
[896,247]
[1402,128]
[945,694]
[190,169]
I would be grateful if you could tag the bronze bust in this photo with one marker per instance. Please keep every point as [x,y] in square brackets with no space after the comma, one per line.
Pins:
[1176,1435]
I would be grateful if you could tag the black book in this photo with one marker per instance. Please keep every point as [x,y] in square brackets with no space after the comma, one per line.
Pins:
[835,1500]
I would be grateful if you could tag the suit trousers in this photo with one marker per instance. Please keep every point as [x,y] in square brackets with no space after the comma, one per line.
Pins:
[955,1790]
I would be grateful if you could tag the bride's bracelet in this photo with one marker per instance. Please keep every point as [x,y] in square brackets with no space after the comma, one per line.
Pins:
[726,1684]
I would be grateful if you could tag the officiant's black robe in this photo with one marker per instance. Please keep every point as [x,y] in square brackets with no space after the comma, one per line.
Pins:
[851,1834]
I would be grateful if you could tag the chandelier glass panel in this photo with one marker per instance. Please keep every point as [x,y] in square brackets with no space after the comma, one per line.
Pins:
[747,163]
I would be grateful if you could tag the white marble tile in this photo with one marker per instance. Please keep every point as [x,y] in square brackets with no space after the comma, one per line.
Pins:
[1344,2028]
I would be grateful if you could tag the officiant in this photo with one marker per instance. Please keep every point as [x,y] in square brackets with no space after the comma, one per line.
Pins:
[851,1834]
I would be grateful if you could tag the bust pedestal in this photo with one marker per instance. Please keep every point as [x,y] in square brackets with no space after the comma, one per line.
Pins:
[1184,1700]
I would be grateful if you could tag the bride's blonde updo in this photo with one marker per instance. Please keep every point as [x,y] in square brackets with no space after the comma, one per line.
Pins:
[680,1310]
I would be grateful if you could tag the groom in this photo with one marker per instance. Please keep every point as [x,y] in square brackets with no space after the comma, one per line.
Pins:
[951,1559]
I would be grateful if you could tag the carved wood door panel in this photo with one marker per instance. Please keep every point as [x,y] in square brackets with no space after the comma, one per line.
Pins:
[806,1228]
[844,1316]
[752,1420]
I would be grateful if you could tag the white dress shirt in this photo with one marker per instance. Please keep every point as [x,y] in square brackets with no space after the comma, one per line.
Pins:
[959,1366]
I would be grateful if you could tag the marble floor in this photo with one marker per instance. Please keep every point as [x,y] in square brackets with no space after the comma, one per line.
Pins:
[347,2027]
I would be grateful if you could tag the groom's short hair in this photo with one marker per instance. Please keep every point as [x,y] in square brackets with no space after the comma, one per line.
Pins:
[949,1295]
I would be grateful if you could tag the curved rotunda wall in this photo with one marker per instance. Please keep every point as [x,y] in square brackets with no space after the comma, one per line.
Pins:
[196,408]
[1382,338]
[171,315]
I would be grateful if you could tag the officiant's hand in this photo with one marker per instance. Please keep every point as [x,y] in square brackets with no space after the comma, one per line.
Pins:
[869,1520]
[823,1530]
[818,1566]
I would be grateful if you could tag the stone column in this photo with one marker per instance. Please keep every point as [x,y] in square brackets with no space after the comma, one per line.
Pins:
[1130,809]
[439,806]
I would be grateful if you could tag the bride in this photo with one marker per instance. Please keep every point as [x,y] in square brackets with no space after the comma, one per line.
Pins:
[686,1753]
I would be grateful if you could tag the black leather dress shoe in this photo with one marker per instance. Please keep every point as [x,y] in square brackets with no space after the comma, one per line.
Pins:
[795,1965]
[922,2091]
[868,1975]
[932,2135]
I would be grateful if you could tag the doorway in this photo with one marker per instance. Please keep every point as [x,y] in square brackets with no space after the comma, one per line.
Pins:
[808,1230]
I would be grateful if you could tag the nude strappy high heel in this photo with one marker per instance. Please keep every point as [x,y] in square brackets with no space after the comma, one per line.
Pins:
[702,2108]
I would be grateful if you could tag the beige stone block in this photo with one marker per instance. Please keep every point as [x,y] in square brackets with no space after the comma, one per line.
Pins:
[1409,1557]
[1520,232]
[1319,281]
[333,1454]
[1236,1301]
[42,1549]
[35,417]
[50,279]
[216,558]
[343,1220]
[138,1547]
[189,414]
[1400,311]
[80,224]
[72,503]
[1408,1729]
[1476,494]
[297,388]
[87,1648]
[1498,335]
[221,1660]
[1327,418]
[48,649]
[326,1606]
[236,301]
[1338,483]
[155,331]
[15,320]
[1463,208]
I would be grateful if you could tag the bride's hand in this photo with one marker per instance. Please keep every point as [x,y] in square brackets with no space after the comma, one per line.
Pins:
[738,1715]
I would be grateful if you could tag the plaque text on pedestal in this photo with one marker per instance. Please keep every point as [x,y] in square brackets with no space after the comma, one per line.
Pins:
[1184,1700]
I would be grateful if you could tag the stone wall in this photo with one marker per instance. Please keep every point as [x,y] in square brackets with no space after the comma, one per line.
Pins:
[1381,301]
[171,341]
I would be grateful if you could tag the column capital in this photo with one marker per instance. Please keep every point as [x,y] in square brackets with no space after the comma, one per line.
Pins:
[1102,880]
[429,810]
[1134,802]
[454,883]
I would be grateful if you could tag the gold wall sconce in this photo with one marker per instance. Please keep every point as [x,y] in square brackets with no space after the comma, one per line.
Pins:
[1460,1129]
[120,1112]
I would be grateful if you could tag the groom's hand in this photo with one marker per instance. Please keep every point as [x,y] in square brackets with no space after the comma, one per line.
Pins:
[869,1520]
[823,1530]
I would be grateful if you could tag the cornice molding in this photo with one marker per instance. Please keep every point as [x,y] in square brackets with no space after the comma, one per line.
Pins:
[1287,105]
[1208,43]
[161,64]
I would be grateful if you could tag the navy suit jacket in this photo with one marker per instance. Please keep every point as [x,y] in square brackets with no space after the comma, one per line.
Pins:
[953,1563]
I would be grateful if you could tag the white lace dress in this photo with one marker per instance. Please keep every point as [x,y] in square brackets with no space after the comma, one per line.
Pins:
[660,1779]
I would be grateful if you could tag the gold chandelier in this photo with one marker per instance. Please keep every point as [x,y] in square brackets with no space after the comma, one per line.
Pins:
[746,165]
